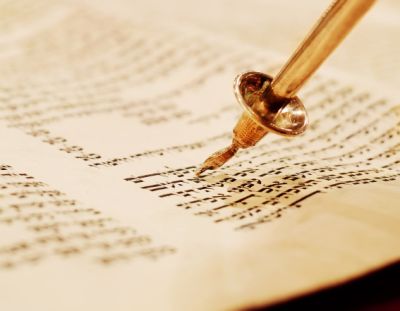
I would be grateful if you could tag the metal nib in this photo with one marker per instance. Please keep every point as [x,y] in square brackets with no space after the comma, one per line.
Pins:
[271,105]
[261,115]
[218,159]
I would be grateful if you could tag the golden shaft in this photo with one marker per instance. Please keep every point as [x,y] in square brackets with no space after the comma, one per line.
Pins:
[326,35]
[268,106]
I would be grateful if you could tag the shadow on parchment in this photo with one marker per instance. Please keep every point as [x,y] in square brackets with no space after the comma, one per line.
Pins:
[376,291]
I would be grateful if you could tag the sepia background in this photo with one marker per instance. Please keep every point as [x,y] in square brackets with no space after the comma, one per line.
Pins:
[371,50]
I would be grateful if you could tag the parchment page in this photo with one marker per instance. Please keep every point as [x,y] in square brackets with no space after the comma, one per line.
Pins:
[103,121]
[370,50]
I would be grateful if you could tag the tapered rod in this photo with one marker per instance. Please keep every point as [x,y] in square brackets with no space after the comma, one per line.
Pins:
[326,35]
